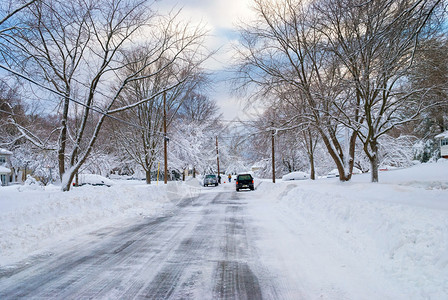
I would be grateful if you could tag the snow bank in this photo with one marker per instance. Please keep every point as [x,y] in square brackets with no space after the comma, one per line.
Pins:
[296,176]
[33,216]
[94,179]
[397,229]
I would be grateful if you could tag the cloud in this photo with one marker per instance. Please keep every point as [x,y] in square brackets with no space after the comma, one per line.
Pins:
[221,18]
[216,13]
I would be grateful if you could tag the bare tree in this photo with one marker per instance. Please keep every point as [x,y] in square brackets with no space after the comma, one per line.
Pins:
[429,76]
[78,47]
[376,42]
[284,53]
[198,107]
[9,21]
[9,9]
[196,126]
[143,144]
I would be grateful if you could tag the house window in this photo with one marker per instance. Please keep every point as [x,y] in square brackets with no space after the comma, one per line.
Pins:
[444,142]
[3,180]
[2,160]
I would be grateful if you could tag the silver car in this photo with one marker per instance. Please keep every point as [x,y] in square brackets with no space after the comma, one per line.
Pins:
[210,179]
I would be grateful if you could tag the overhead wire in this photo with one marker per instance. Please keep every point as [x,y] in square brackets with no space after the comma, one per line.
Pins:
[97,110]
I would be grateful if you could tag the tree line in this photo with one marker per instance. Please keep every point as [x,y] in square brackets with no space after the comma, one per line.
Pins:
[83,82]
[346,74]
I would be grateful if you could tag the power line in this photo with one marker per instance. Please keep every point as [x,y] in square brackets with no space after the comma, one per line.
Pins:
[118,119]
[98,110]
[66,97]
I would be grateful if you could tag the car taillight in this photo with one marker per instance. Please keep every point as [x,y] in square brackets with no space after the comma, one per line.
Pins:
[252,181]
[237,182]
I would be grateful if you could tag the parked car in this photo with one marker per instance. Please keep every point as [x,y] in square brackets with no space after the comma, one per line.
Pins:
[210,179]
[333,173]
[244,181]
[296,176]
[94,179]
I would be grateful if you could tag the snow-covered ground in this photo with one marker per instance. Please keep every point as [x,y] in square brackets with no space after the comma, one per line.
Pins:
[356,240]
[322,239]
[33,217]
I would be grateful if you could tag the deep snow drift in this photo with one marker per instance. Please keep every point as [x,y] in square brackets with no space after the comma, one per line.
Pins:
[359,240]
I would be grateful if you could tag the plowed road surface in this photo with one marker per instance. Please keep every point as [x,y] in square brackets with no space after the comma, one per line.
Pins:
[206,248]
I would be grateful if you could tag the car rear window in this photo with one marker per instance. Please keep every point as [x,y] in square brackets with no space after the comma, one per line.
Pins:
[245,177]
[210,176]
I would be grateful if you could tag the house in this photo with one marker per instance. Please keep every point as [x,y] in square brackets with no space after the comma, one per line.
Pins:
[5,162]
[443,137]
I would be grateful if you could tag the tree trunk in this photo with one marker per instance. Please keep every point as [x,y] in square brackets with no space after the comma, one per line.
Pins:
[351,152]
[148,176]
[183,174]
[374,161]
[194,172]
[310,150]
[63,138]
[313,172]
[336,158]
[66,184]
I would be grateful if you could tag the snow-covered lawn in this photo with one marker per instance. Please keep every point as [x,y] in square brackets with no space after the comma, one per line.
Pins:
[34,217]
[359,240]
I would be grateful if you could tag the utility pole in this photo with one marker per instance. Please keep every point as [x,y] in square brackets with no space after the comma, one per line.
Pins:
[217,156]
[273,153]
[165,152]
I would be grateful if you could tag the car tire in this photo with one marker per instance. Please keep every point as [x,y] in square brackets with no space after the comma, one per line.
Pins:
[237,190]
[216,184]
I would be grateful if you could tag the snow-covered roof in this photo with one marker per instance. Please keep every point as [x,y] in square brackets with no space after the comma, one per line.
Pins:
[4,151]
[443,135]
[4,170]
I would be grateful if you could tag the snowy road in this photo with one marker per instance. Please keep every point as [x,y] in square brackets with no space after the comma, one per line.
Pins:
[203,249]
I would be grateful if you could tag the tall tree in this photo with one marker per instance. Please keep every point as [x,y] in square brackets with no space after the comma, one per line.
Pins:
[429,76]
[283,50]
[376,42]
[143,144]
[78,48]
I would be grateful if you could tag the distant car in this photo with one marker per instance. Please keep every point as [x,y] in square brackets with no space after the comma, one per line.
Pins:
[356,171]
[94,179]
[244,181]
[210,179]
[333,173]
[296,176]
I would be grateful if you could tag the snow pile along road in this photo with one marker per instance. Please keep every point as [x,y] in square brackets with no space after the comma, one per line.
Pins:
[388,239]
[33,217]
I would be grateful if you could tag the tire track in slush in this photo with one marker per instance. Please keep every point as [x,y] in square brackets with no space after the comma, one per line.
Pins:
[200,250]
[233,277]
[86,271]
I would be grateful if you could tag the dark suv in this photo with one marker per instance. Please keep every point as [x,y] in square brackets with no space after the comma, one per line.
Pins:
[244,181]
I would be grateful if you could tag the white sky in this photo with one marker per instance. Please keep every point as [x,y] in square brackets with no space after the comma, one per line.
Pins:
[220,17]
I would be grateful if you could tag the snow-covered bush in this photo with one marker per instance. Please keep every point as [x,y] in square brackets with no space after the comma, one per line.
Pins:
[31,183]
[426,150]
